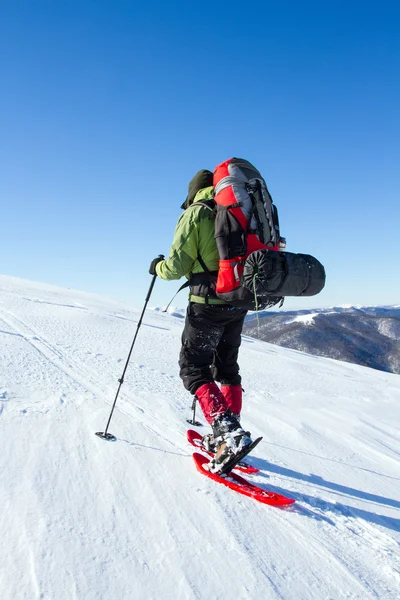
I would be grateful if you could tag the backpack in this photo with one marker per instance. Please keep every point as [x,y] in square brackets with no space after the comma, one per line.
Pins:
[253,271]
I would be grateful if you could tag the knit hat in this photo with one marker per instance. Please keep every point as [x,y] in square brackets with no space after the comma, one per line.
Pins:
[201,180]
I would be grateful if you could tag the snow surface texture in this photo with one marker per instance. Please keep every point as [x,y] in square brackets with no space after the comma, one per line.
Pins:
[82,518]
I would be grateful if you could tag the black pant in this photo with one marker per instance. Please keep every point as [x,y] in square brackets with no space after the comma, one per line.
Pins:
[210,345]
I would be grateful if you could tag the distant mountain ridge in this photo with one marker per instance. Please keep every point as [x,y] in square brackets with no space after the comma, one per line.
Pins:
[364,335]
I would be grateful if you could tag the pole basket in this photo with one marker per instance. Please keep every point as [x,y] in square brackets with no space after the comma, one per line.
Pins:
[195,423]
[109,437]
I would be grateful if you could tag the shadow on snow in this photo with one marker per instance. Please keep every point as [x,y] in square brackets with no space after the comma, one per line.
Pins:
[325,506]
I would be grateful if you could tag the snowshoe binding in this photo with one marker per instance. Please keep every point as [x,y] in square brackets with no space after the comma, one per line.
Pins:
[229,442]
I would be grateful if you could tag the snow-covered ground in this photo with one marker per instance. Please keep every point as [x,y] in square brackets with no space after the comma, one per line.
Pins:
[86,519]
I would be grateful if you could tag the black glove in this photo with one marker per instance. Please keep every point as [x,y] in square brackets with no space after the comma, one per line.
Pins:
[154,262]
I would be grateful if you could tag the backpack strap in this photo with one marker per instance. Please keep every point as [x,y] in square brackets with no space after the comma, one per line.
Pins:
[203,264]
[204,279]
[254,212]
[211,206]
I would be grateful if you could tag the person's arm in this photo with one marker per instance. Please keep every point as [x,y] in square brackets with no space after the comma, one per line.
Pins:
[184,249]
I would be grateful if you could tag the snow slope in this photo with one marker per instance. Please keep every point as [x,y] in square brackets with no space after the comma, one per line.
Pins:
[86,519]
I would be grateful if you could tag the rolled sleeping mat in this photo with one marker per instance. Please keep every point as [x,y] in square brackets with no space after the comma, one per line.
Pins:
[267,273]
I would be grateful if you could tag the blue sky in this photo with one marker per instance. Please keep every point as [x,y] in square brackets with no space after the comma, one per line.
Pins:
[108,108]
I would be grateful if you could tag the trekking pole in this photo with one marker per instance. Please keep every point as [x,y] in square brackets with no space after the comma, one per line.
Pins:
[104,434]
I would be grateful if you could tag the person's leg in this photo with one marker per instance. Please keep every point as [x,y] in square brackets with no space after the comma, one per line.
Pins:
[233,397]
[226,368]
[226,371]
[201,336]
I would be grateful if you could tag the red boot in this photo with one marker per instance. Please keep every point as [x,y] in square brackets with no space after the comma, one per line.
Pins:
[233,397]
[211,400]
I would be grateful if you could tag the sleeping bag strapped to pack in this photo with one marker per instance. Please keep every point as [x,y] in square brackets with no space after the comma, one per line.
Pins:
[253,273]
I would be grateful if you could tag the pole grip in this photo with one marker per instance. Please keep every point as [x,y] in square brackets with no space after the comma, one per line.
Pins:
[161,256]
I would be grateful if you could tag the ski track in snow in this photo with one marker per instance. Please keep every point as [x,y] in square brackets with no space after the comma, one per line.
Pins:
[84,519]
[83,376]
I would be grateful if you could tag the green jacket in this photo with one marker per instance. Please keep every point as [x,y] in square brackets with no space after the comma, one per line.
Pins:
[193,237]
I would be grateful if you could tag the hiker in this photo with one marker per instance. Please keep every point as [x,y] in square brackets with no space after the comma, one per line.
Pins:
[212,331]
